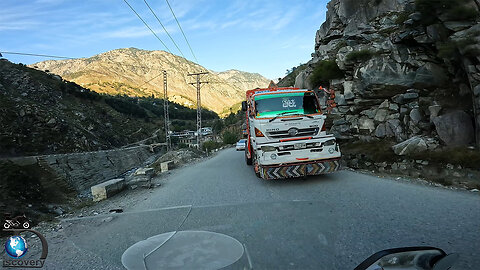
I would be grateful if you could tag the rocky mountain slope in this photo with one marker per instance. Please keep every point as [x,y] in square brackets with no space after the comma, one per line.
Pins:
[406,74]
[137,72]
[42,114]
[406,68]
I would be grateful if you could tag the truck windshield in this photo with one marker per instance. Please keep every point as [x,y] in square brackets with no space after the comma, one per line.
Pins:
[273,104]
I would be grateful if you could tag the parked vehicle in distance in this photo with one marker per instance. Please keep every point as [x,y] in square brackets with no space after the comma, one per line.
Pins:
[241,145]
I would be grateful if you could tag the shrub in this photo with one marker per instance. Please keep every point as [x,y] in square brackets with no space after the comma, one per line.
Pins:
[78,91]
[325,71]
[447,49]
[210,145]
[289,80]
[155,109]
[341,44]
[126,107]
[362,55]
[230,137]
[182,145]
[462,13]
[454,155]
[455,10]
[450,49]
[402,17]
[19,182]
[376,151]
[217,126]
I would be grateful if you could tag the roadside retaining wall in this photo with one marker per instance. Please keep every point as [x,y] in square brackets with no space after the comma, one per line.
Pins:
[83,170]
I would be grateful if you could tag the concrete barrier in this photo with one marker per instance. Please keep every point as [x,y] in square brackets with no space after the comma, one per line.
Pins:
[147,172]
[107,189]
[167,165]
[142,177]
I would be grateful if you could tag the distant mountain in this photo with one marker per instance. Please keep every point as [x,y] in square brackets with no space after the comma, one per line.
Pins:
[136,72]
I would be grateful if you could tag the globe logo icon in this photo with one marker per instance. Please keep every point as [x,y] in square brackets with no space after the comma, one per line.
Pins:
[16,246]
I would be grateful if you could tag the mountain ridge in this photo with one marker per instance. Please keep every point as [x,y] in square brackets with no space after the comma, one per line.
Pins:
[137,72]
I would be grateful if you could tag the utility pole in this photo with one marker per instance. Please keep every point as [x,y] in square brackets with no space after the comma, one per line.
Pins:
[199,107]
[166,117]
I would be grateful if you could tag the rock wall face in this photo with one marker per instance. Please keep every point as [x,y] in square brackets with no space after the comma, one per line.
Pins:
[405,73]
[80,171]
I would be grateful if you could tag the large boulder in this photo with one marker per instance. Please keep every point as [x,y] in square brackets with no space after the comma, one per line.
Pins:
[455,128]
[301,81]
[348,90]
[381,115]
[384,130]
[412,145]
[416,115]
[396,127]
[365,123]
[434,111]
[385,77]
[430,75]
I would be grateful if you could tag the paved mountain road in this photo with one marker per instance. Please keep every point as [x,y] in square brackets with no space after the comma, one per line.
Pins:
[324,222]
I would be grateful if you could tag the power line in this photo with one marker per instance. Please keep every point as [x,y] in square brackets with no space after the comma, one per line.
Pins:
[150,80]
[40,55]
[163,27]
[178,23]
[147,25]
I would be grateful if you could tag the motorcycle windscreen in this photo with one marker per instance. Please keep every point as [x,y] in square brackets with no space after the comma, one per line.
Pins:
[282,235]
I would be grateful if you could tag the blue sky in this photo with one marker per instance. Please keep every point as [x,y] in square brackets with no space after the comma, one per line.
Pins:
[250,35]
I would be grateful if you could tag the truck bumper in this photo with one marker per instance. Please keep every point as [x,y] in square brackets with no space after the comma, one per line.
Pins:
[291,170]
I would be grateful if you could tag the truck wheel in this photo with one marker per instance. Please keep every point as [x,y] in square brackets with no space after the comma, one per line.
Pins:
[247,160]
[255,166]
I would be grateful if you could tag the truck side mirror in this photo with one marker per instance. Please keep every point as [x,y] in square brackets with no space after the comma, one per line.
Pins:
[244,106]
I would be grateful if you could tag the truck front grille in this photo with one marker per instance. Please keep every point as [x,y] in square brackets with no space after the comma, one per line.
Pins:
[289,147]
[302,132]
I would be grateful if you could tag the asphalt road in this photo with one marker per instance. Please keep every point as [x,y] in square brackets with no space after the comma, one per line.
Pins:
[324,222]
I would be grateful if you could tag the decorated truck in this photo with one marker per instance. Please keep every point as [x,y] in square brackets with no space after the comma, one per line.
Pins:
[286,134]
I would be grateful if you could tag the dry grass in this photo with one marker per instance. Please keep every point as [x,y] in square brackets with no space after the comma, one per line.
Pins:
[462,156]
[378,151]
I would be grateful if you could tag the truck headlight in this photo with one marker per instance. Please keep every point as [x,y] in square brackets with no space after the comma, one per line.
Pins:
[273,156]
[268,148]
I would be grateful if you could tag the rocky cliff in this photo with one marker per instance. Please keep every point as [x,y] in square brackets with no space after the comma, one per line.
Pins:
[407,68]
[137,72]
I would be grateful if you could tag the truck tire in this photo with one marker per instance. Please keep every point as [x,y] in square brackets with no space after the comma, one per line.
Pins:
[255,164]
[247,159]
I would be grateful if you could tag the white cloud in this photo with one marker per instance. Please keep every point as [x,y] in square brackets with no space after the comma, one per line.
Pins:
[48,2]
[129,32]
[17,25]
